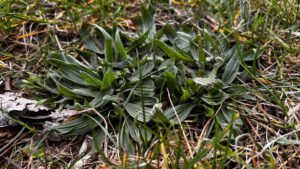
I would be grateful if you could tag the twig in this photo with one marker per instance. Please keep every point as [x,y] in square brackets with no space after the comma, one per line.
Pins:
[289,159]
[272,142]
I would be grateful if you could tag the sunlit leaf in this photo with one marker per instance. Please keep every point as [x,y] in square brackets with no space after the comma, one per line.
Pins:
[108,78]
[119,46]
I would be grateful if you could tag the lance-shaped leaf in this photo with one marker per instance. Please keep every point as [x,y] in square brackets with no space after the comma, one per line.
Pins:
[147,87]
[108,78]
[137,112]
[76,127]
[145,70]
[93,45]
[215,97]
[91,80]
[138,132]
[108,44]
[205,81]
[182,110]
[126,144]
[120,49]
[171,52]
[66,91]
[231,70]
[146,21]
[139,41]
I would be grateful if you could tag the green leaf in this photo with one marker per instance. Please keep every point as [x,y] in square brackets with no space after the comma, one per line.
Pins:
[84,92]
[227,117]
[36,82]
[72,76]
[171,81]
[182,110]
[69,60]
[145,70]
[236,90]
[139,41]
[136,111]
[185,95]
[90,80]
[66,91]
[76,127]
[108,78]
[209,112]
[148,101]
[167,64]
[119,46]
[126,144]
[147,86]
[138,133]
[215,97]
[93,45]
[74,67]
[108,44]
[146,21]
[102,99]
[231,70]
[183,41]
[169,31]
[98,140]
[171,52]
[206,81]
[160,118]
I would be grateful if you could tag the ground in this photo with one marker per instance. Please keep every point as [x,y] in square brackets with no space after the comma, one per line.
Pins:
[220,80]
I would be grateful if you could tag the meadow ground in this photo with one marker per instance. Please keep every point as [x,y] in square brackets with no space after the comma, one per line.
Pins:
[152,84]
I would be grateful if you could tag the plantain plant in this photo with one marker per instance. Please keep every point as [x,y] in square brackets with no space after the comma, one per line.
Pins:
[144,82]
